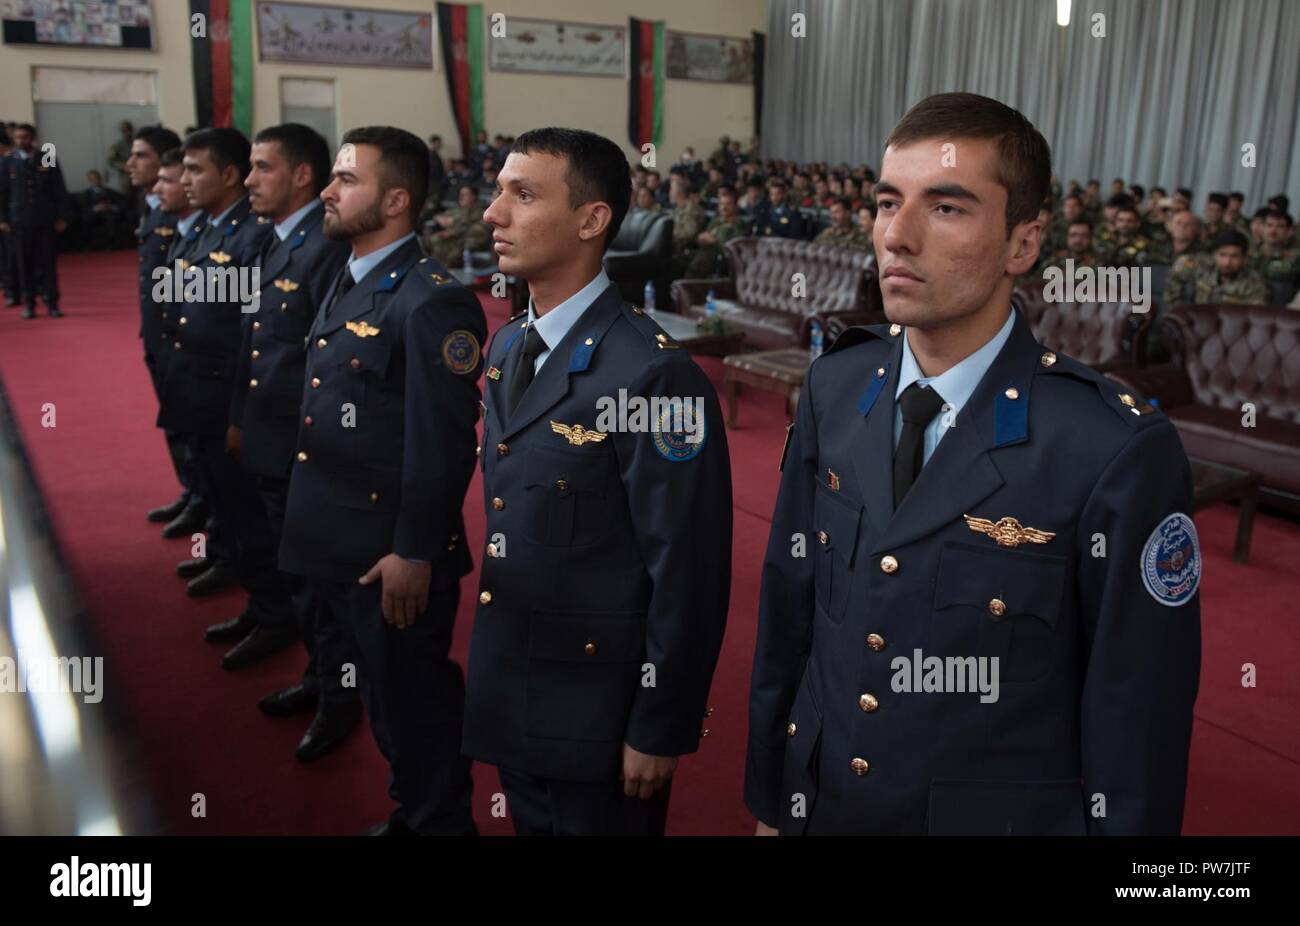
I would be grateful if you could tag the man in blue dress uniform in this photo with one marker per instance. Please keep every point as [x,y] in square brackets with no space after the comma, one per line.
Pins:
[604,593]
[384,455]
[979,610]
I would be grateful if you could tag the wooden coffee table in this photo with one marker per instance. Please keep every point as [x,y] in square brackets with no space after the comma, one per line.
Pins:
[780,371]
[1213,483]
[684,331]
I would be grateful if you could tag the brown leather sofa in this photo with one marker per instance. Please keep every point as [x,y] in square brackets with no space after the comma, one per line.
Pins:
[1222,357]
[841,290]
[1105,335]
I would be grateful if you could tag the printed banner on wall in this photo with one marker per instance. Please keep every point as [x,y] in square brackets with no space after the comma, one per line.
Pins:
[710,57]
[545,47]
[99,23]
[309,34]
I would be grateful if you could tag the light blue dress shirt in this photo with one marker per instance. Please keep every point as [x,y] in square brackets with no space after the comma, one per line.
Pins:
[954,385]
[152,200]
[184,225]
[285,229]
[555,324]
[360,266]
[225,212]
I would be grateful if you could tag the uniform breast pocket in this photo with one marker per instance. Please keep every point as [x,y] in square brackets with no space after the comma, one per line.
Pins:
[835,530]
[290,321]
[564,493]
[1015,600]
[365,363]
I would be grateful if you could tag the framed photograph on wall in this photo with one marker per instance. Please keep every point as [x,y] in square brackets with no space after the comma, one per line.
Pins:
[542,46]
[80,23]
[716,58]
[337,35]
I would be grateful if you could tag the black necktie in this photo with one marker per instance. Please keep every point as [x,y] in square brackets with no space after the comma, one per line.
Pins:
[919,405]
[522,374]
[345,284]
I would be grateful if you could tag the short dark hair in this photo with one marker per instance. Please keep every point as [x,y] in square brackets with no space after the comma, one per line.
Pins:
[1231,238]
[1277,214]
[4,138]
[1237,195]
[1184,191]
[1024,163]
[1158,189]
[776,182]
[1218,199]
[172,157]
[870,206]
[1280,201]
[728,189]
[301,145]
[843,203]
[1120,201]
[1138,190]
[403,161]
[1128,207]
[25,127]
[467,186]
[158,138]
[1085,223]
[1074,196]
[597,169]
[225,146]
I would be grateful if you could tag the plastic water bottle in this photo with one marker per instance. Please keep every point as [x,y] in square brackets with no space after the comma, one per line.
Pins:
[815,341]
[711,305]
[649,297]
[467,259]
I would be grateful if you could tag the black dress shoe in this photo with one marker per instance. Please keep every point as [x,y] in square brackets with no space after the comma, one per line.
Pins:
[288,702]
[218,576]
[55,312]
[168,512]
[327,731]
[255,647]
[189,568]
[388,828]
[188,522]
[231,630]
[28,312]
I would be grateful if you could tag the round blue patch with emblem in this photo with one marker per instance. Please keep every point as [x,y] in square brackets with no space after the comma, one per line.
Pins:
[1171,561]
[460,351]
[679,432]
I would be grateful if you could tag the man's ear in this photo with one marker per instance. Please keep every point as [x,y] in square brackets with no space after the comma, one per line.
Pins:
[397,201]
[230,176]
[1026,239]
[595,221]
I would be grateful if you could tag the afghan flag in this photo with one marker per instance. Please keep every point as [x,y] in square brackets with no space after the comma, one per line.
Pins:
[645,86]
[223,63]
[460,33]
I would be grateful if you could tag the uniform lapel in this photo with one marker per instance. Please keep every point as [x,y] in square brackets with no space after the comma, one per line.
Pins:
[281,252]
[569,356]
[961,472]
[873,444]
[360,300]
[511,340]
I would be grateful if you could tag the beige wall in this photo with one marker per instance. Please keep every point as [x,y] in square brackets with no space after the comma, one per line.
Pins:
[695,112]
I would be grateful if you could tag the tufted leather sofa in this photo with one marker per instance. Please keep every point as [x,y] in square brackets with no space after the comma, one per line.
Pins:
[1105,335]
[841,289]
[1222,357]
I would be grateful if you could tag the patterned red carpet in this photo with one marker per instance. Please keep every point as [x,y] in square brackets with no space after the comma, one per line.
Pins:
[197,730]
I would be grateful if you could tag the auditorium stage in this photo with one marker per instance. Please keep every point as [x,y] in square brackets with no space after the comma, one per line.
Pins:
[196,729]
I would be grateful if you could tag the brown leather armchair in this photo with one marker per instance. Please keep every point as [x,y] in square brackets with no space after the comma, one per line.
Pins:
[841,290]
[1223,357]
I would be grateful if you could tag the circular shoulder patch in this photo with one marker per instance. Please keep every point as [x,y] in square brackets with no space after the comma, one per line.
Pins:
[679,432]
[460,352]
[1171,561]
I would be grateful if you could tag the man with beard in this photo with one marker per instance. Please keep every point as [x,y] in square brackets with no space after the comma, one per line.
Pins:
[385,452]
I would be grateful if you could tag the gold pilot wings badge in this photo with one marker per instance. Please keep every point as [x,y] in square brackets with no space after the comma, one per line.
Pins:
[286,285]
[164,232]
[220,257]
[362,330]
[1008,532]
[577,435]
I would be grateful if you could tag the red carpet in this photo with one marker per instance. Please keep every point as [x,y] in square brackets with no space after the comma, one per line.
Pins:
[197,729]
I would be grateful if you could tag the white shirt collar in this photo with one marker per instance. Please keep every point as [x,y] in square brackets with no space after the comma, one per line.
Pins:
[152,200]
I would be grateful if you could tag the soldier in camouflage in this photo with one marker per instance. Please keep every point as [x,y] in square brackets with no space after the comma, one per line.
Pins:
[1274,259]
[703,260]
[1125,246]
[460,229]
[1183,239]
[842,233]
[1216,205]
[1228,279]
